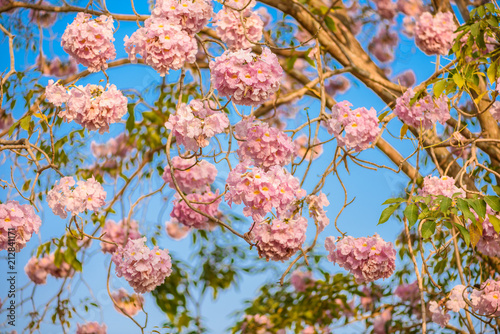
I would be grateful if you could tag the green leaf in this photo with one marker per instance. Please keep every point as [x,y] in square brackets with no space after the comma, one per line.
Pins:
[382,115]
[492,71]
[25,123]
[330,23]
[479,206]
[411,212]
[131,118]
[403,131]
[493,202]
[474,29]
[464,233]
[394,200]
[495,222]
[428,228]
[439,87]
[387,213]
[476,231]
[463,206]
[445,204]
[496,189]
[459,80]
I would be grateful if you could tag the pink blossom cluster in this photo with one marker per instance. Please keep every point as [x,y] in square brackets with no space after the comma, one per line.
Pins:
[91,328]
[435,35]
[195,123]
[302,280]
[486,301]
[264,145]
[37,270]
[368,259]
[114,147]
[456,300]
[410,7]
[176,231]
[143,268]
[434,186]
[380,322]
[182,213]
[497,88]
[238,32]
[118,233]
[425,112]
[360,126]
[131,304]
[190,16]
[409,293]
[386,9]
[191,175]
[65,196]
[56,67]
[316,204]
[256,324]
[6,120]
[163,45]
[280,239]
[90,41]
[489,243]
[303,150]
[41,17]
[261,190]
[439,315]
[248,78]
[406,78]
[17,225]
[337,85]
[495,107]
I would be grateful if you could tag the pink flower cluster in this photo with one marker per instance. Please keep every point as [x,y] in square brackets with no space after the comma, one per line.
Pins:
[435,186]
[256,324]
[495,107]
[438,315]
[56,67]
[266,146]
[131,304]
[486,301]
[386,9]
[17,225]
[118,233]
[368,259]
[281,239]
[301,280]
[382,46]
[303,150]
[115,147]
[379,323]
[143,268]
[489,243]
[248,78]
[91,328]
[182,213]
[410,7]
[409,292]
[337,85]
[316,205]
[176,231]
[163,45]
[38,269]
[234,33]
[406,79]
[191,16]
[195,123]
[456,300]
[65,196]
[360,126]
[41,17]
[435,35]
[424,112]
[89,41]
[191,175]
[261,190]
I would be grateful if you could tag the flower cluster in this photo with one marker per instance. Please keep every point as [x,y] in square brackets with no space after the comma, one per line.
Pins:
[486,301]
[91,328]
[89,41]
[266,146]
[435,186]
[281,239]
[130,304]
[41,17]
[143,268]
[261,190]
[380,322]
[236,32]
[382,46]
[368,259]
[258,324]
[435,35]
[163,45]
[56,67]
[118,233]
[386,9]
[336,85]
[38,269]
[410,7]
[489,243]
[316,210]
[302,280]
[195,123]
[115,147]
[182,213]
[495,107]
[456,300]
[248,78]
[303,150]
[176,231]
[191,16]
[406,79]
[424,112]
[191,175]
[17,225]
[439,315]
[360,126]
[65,196]
[408,292]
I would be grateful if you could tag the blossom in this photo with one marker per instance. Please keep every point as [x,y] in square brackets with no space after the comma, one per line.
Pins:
[316,205]
[489,243]
[56,93]
[195,123]
[89,41]
[234,33]
[486,301]
[162,45]
[143,268]
[410,7]
[425,112]
[256,324]
[36,270]
[303,150]
[386,9]
[382,46]
[281,239]
[439,315]
[456,300]
[182,213]
[114,147]
[47,263]
[435,35]
[118,233]
[17,225]
[191,16]
[131,304]
[87,195]
[406,78]
[497,88]
[41,17]
[409,292]
[434,186]
[176,231]
[247,78]
[379,322]
[368,259]
[91,328]
[191,175]
[337,84]
[301,280]
[266,146]
[495,108]
[360,126]
[261,190]
[56,67]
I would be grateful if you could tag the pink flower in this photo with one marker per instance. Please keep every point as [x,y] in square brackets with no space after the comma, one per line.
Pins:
[56,93]
[115,147]
[406,78]
[435,35]
[131,304]
[379,323]
[191,16]
[368,259]
[386,9]
[495,108]
[317,211]
[91,328]
[256,324]
[281,239]
[337,84]
[176,231]
[486,301]
[41,17]
[182,213]
[424,113]
[409,293]
[163,45]
[36,269]
[301,281]
[144,269]
[55,67]
[191,175]
[89,41]
[410,7]
[303,150]
[17,225]
[247,78]
[435,186]
[194,124]
[456,300]
[439,315]
[359,125]
[118,233]
[232,32]
[382,46]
